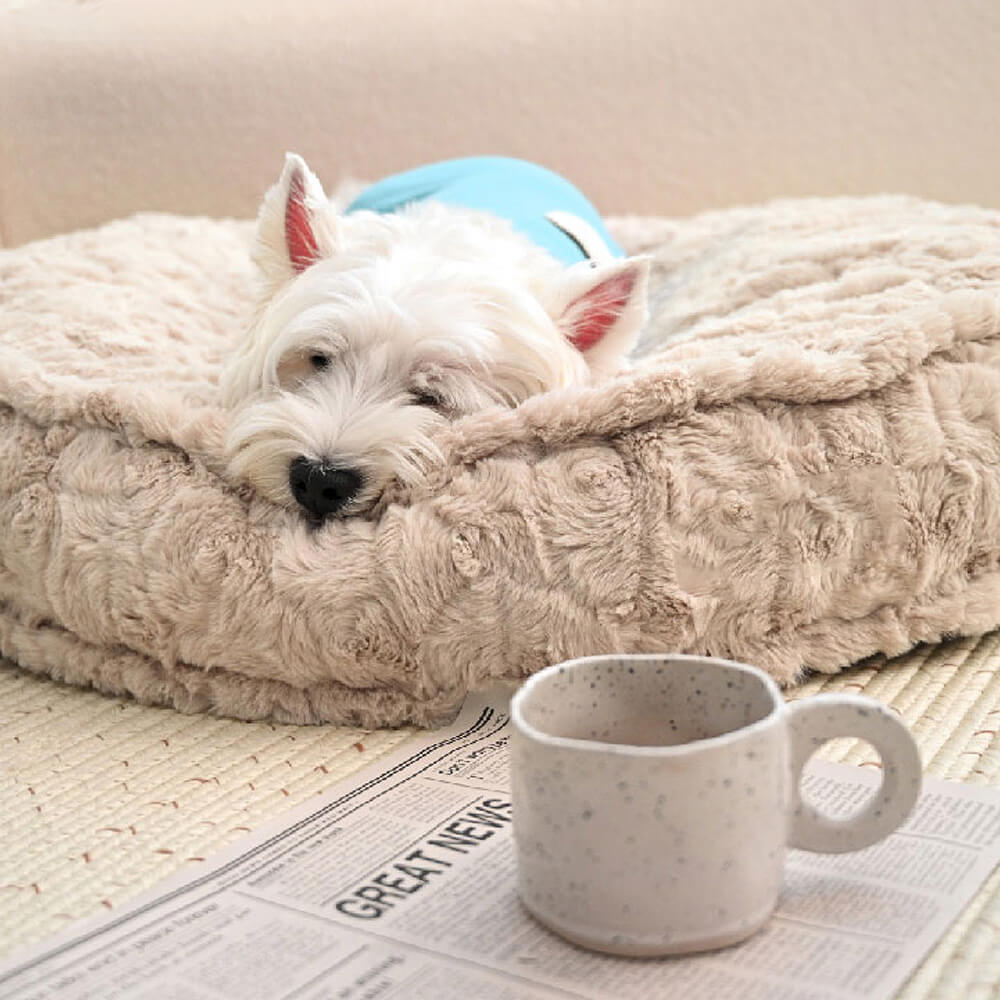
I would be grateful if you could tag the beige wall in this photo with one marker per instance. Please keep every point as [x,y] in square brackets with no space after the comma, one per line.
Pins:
[659,106]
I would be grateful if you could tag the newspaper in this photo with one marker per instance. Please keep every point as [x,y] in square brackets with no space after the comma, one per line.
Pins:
[400,883]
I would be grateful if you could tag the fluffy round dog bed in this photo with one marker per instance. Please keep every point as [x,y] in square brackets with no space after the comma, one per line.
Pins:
[803,470]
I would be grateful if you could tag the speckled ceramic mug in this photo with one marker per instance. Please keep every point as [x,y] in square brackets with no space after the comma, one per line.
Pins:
[654,796]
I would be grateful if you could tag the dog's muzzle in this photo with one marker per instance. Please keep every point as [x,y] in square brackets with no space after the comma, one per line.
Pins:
[322,489]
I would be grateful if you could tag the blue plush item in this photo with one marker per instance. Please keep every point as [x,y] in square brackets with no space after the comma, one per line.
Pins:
[517,190]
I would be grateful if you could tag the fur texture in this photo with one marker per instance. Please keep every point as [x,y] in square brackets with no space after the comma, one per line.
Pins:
[373,331]
[802,470]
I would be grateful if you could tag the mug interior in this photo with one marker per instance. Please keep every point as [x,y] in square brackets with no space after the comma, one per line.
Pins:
[646,700]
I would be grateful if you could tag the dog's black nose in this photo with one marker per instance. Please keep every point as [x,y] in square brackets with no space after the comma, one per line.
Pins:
[322,489]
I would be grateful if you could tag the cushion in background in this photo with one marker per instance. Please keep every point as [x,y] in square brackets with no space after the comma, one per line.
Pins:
[802,471]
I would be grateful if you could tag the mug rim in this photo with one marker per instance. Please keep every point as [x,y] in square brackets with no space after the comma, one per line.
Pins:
[639,750]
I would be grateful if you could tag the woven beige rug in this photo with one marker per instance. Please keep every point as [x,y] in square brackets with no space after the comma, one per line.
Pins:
[103,798]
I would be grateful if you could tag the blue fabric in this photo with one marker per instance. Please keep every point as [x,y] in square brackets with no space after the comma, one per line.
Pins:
[512,189]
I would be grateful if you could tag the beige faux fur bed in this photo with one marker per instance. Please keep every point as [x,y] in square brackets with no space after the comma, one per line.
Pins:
[803,471]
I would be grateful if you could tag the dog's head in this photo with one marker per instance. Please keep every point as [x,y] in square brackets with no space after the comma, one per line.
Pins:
[374,329]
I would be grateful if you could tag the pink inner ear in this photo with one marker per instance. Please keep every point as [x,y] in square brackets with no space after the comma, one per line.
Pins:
[302,247]
[595,312]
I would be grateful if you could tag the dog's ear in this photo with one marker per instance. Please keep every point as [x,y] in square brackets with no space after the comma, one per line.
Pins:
[296,226]
[603,309]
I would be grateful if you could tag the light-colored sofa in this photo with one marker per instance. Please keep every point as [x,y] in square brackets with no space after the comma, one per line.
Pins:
[651,106]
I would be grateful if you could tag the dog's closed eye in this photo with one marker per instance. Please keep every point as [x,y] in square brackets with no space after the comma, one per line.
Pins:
[427,397]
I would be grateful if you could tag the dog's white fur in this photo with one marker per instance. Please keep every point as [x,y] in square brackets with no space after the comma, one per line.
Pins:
[431,301]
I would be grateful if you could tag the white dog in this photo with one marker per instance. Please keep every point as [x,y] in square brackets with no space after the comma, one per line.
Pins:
[376,326]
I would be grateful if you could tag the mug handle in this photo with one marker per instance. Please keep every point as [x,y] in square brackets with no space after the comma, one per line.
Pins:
[813,721]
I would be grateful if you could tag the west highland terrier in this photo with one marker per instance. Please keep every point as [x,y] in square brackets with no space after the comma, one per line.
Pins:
[438,292]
